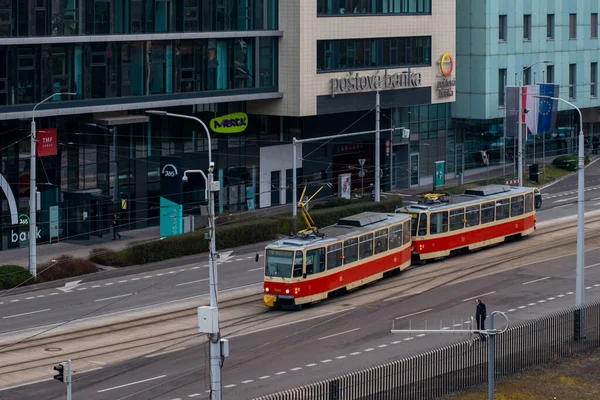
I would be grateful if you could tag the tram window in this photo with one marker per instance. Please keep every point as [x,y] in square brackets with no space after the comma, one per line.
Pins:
[381,241]
[334,256]
[488,212]
[395,236]
[279,263]
[528,203]
[414,222]
[315,261]
[473,216]
[457,219]
[423,224]
[365,246]
[350,250]
[298,264]
[438,222]
[502,209]
[406,233]
[516,206]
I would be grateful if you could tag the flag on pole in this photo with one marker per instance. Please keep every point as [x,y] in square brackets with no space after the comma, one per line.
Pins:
[511,110]
[531,104]
[547,108]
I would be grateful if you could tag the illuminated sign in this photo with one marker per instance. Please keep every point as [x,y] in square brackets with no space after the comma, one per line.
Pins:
[445,87]
[232,123]
[447,64]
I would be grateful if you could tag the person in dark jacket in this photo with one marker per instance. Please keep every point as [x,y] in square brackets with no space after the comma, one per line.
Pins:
[115,225]
[480,315]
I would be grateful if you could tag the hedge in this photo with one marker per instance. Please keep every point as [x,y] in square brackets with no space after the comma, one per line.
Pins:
[13,275]
[569,162]
[330,216]
[228,236]
[65,266]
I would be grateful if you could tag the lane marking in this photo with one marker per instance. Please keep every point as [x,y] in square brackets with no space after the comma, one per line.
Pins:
[536,280]
[338,334]
[190,282]
[196,267]
[296,369]
[592,266]
[280,373]
[265,377]
[560,295]
[340,357]
[132,383]
[311,365]
[27,313]
[96,286]
[369,349]
[408,338]
[397,341]
[114,297]
[355,353]
[531,304]
[195,394]
[588,287]
[381,346]
[512,309]
[521,307]
[29,298]
[53,294]
[165,352]
[230,386]
[415,313]
[15,301]
[255,269]
[480,295]
[248,381]
[421,335]
[326,361]
[569,293]
[123,281]
[567,199]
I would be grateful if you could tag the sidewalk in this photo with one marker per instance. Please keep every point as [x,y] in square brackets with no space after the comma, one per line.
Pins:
[77,248]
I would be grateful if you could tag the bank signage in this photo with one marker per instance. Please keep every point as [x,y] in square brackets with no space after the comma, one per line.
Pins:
[231,123]
[445,86]
[171,196]
[355,83]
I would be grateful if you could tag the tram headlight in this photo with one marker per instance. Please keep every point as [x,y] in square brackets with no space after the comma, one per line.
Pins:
[267,289]
[287,291]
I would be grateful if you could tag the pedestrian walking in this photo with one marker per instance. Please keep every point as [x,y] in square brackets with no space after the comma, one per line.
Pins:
[480,315]
[115,225]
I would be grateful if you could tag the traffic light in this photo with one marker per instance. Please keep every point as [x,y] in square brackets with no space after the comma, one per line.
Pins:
[62,370]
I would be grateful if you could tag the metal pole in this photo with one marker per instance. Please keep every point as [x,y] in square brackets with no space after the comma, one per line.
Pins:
[544,153]
[116,186]
[294,187]
[504,135]
[391,157]
[377,138]
[69,380]
[580,229]
[520,135]
[491,359]
[32,201]
[215,339]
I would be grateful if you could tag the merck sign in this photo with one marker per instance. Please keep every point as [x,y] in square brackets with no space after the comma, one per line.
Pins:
[232,123]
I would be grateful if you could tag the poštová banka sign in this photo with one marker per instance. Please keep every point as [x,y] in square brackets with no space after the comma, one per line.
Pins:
[231,123]
[357,83]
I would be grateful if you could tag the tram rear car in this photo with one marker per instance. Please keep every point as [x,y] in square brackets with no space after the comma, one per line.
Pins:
[478,218]
[358,250]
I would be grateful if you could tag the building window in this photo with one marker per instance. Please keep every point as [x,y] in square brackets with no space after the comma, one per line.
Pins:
[501,84]
[527,27]
[572,80]
[572,26]
[550,74]
[353,54]
[550,26]
[372,7]
[502,28]
[594,79]
[594,26]
[527,77]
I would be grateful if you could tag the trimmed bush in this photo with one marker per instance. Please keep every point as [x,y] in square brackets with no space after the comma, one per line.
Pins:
[569,162]
[109,257]
[13,275]
[66,266]
[228,236]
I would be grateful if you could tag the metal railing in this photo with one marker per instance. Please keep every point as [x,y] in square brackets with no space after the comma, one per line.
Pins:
[460,365]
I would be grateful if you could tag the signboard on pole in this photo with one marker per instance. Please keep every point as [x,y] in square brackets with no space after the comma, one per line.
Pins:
[53,223]
[344,186]
[46,142]
[440,174]
[171,196]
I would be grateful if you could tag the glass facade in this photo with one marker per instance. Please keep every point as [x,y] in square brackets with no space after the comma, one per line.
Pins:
[122,69]
[372,7]
[25,18]
[353,54]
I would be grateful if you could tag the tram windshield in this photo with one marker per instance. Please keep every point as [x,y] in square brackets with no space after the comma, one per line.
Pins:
[279,263]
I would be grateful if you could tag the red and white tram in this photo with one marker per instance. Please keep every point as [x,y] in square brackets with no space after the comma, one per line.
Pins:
[480,217]
[356,251]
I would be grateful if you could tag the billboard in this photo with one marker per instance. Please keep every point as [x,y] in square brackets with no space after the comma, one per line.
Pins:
[171,196]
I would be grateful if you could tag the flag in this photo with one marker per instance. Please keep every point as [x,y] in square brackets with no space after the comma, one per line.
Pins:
[547,108]
[531,104]
[511,110]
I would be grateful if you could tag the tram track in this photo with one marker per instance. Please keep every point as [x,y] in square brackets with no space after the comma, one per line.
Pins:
[246,314]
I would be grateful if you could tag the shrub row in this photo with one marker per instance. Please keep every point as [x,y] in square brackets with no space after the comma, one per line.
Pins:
[65,266]
[569,162]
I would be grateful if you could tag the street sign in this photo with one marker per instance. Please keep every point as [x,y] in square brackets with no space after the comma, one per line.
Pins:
[405,133]
[361,173]
[362,161]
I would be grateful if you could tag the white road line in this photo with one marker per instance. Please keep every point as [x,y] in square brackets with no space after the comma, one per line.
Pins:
[15,301]
[311,365]
[161,274]
[569,293]
[296,369]
[415,313]
[541,301]
[480,295]
[194,395]
[537,280]
[53,294]
[397,341]
[27,313]
[511,310]
[265,377]
[457,325]
[29,298]
[551,298]
[132,383]
[338,334]
[123,281]
[41,296]
[326,361]
[190,282]
[445,328]
[369,349]
[165,352]
[280,373]
[420,335]
[230,386]
[172,272]
[531,304]
[255,269]
[593,265]
[340,357]
[567,199]
[560,295]
[135,279]
[408,338]
[148,277]
[108,284]
[381,346]
[248,381]
[114,297]
[96,286]
[588,287]
[199,268]
[596,285]
[355,353]
[521,307]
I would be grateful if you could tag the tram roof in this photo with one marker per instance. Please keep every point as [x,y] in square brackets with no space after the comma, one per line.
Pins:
[471,196]
[346,227]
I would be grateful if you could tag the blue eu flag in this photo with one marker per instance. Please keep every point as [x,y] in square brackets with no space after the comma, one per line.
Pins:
[547,107]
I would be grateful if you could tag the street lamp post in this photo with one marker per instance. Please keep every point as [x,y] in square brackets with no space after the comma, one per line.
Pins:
[520,121]
[580,279]
[33,188]
[211,187]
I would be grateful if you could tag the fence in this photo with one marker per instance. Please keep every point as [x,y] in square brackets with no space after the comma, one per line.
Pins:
[459,366]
